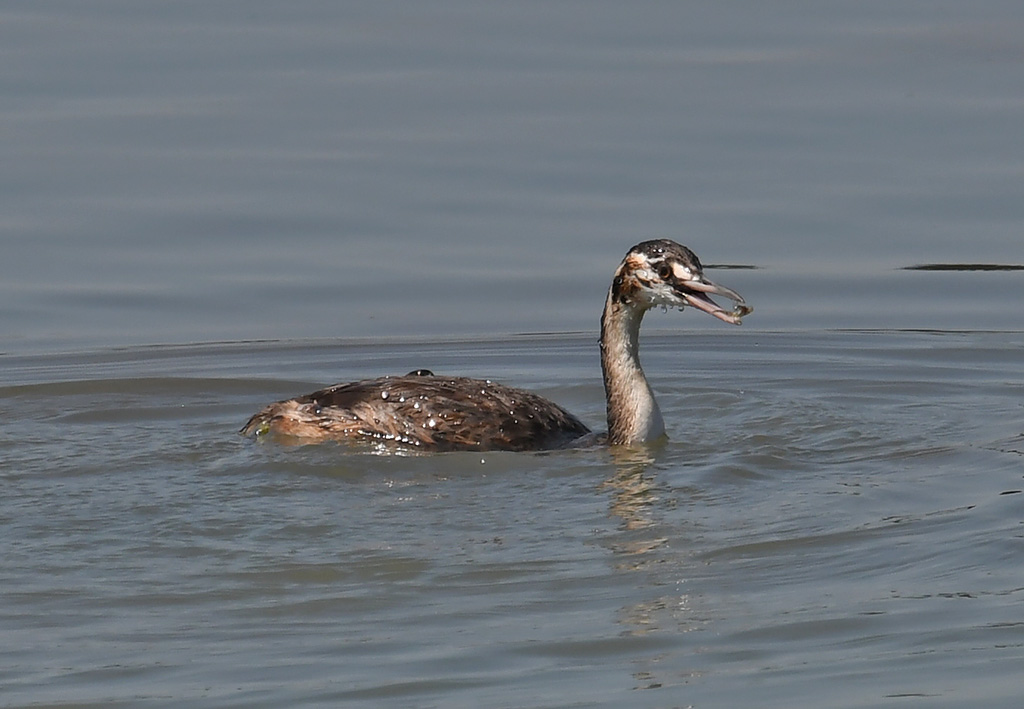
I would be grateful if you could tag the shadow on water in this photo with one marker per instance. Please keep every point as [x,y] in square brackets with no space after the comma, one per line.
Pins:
[965,267]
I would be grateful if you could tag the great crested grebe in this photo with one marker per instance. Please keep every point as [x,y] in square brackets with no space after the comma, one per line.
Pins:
[421,410]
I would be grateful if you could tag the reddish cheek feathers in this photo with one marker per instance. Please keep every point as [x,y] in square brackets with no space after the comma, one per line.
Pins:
[625,288]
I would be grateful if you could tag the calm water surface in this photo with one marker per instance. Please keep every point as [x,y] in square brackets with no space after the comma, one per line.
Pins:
[207,207]
[836,519]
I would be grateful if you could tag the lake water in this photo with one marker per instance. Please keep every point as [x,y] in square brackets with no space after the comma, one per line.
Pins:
[210,206]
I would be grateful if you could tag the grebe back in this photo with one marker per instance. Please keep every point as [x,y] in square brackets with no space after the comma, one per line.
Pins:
[425,411]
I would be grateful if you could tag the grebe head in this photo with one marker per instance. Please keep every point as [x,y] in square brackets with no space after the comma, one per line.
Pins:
[662,272]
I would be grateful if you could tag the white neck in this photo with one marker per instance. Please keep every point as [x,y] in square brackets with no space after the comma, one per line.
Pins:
[633,414]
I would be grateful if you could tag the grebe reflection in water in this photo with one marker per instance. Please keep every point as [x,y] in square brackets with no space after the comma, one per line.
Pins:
[429,412]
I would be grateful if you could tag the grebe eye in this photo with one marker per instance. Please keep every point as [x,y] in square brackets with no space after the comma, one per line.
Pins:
[664,271]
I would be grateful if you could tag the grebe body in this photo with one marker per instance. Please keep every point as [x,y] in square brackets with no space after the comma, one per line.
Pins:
[421,410]
[424,411]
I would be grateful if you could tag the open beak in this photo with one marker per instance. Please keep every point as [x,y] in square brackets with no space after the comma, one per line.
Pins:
[698,291]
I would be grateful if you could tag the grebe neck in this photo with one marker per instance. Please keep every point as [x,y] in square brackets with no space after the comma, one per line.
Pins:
[633,413]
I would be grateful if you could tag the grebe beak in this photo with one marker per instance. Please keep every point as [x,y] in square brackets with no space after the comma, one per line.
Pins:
[697,292]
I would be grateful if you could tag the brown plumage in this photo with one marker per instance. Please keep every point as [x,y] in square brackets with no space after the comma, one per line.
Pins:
[423,411]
